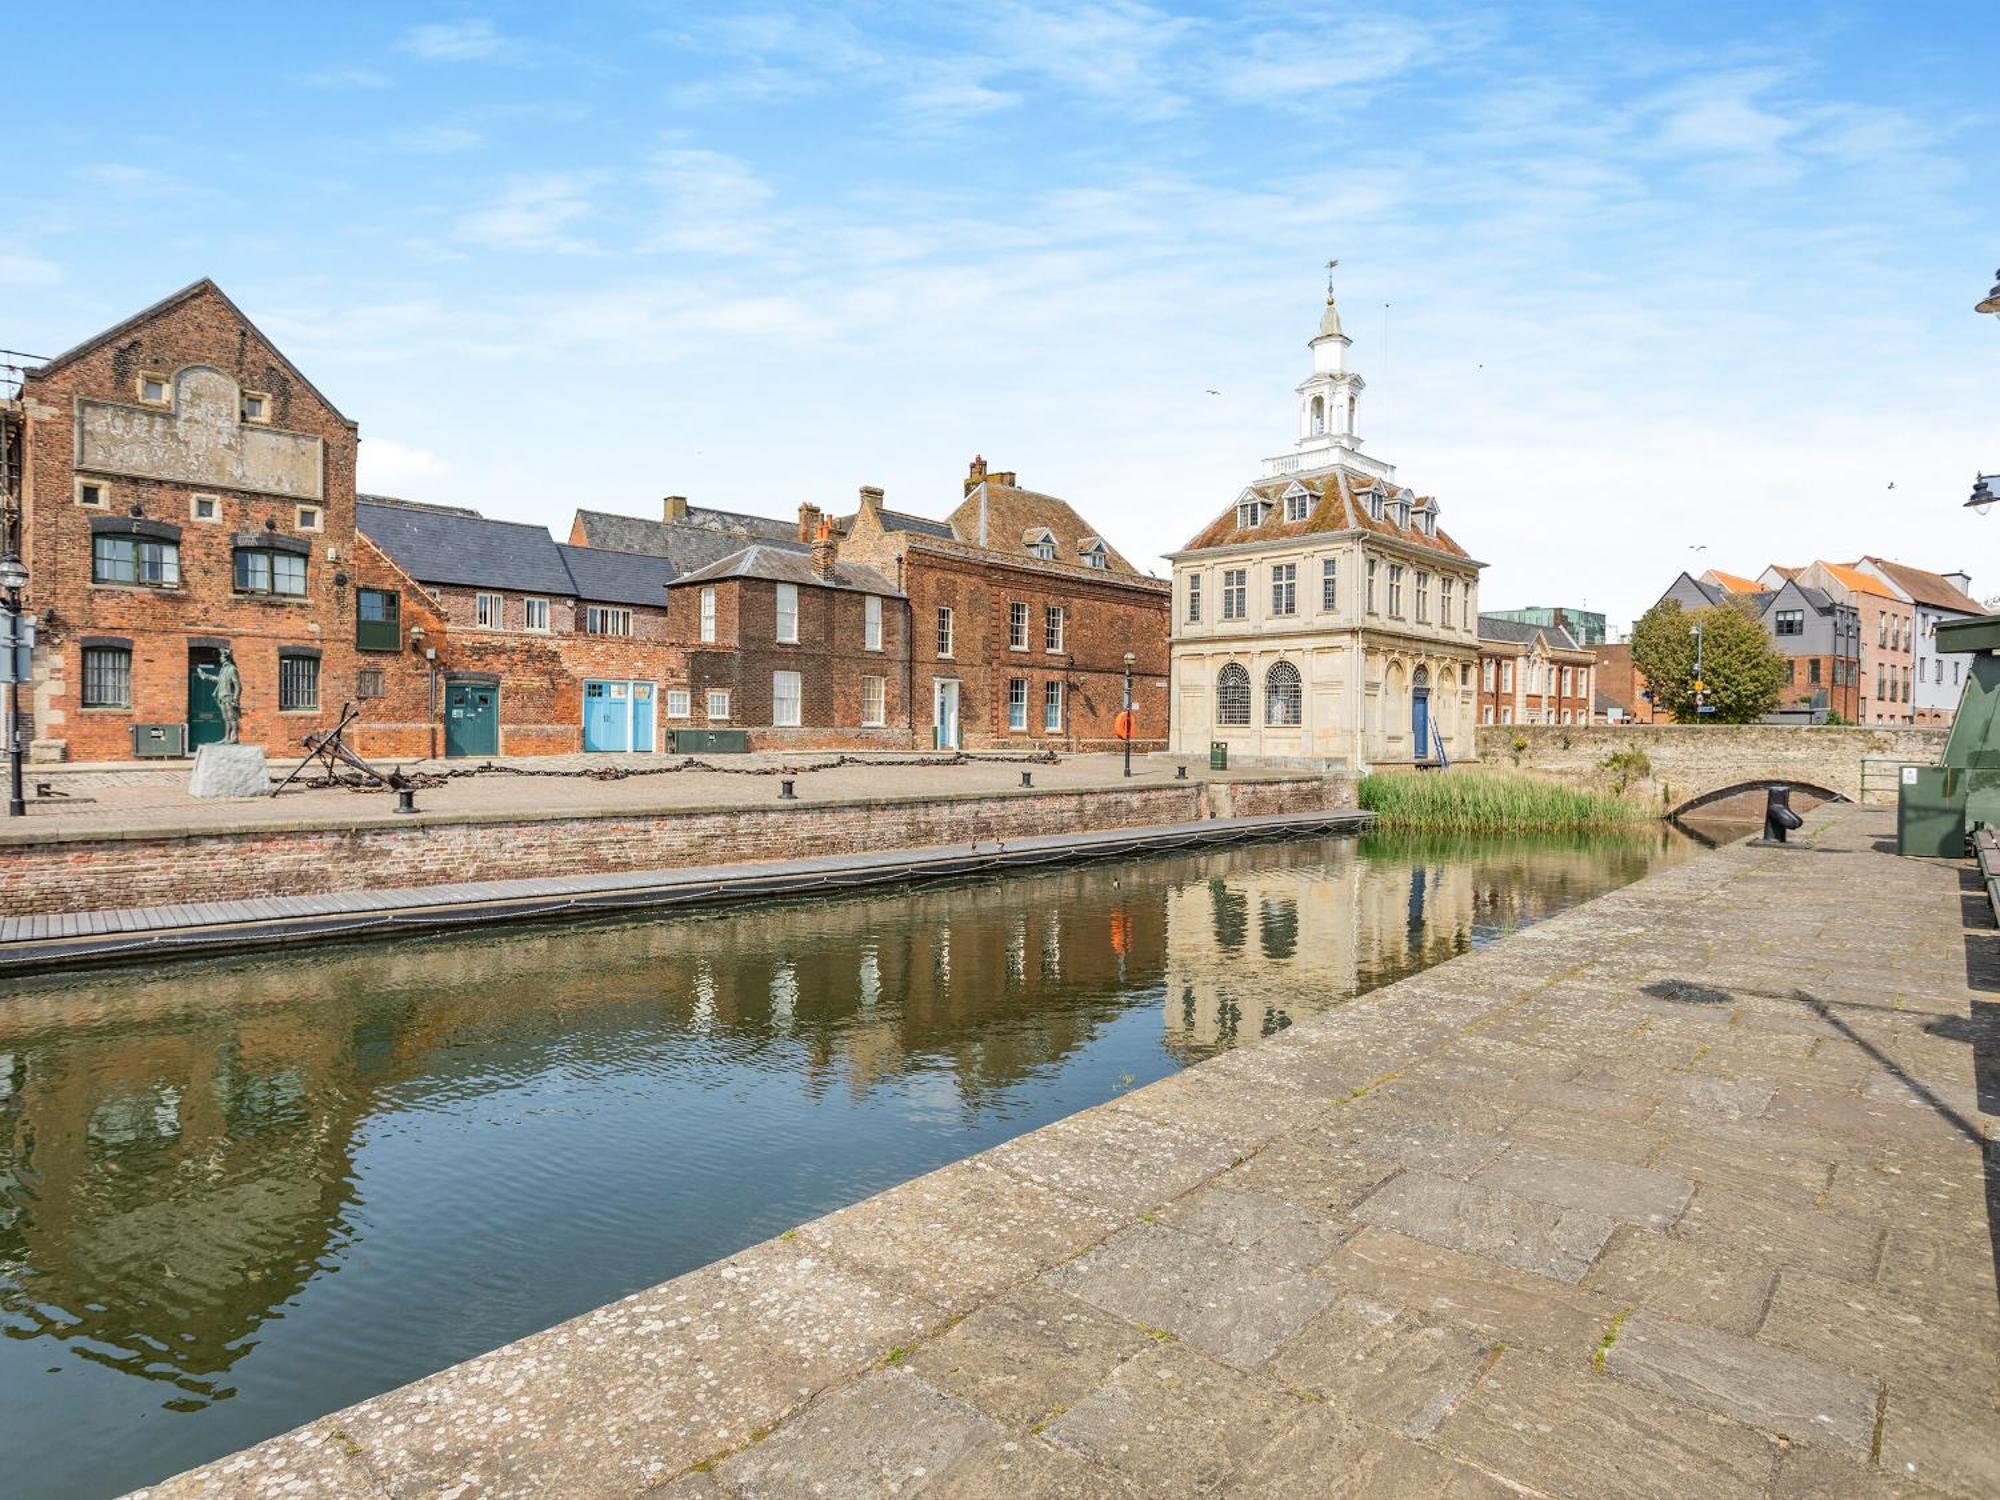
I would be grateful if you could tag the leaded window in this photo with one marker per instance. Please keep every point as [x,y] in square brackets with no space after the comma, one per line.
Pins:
[1284,588]
[1284,696]
[1235,593]
[1329,584]
[1232,695]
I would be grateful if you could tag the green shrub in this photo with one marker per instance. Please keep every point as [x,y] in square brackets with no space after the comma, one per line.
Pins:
[1627,766]
[1488,802]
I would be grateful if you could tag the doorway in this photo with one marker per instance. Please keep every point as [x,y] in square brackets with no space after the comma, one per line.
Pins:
[472,718]
[944,714]
[617,715]
[204,714]
[1420,713]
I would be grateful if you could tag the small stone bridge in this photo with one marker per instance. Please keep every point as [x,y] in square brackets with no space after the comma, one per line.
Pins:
[1693,765]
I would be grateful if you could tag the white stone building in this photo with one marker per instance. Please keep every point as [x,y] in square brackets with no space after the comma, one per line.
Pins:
[1324,615]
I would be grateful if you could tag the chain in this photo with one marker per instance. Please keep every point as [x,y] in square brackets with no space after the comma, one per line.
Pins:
[424,779]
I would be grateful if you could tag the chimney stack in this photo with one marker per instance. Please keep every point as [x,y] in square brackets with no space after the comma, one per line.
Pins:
[976,474]
[808,521]
[871,497]
[674,508]
[824,553]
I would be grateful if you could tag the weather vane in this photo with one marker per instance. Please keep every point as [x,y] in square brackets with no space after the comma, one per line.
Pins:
[1329,278]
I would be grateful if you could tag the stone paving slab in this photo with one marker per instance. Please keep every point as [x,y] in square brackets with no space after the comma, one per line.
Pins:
[1679,1194]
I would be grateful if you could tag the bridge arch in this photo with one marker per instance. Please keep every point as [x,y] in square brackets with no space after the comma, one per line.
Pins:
[1757,784]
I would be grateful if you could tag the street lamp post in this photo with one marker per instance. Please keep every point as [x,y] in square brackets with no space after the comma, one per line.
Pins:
[13,579]
[1129,725]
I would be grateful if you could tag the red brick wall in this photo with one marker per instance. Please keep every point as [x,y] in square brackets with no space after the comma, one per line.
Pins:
[378,850]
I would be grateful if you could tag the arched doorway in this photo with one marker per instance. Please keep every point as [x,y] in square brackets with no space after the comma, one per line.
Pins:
[1420,712]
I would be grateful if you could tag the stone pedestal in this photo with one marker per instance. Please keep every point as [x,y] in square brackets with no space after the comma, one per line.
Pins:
[230,771]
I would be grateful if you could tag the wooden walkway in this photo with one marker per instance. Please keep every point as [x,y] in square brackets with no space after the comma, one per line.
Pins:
[31,944]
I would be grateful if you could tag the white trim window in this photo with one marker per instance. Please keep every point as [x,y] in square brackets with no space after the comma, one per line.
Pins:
[1235,593]
[787,700]
[1368,589]
[1329,584]
[871,623]
[96,494]
[535,615]
[788,613]
[680,703]
[489,611]
[1052,707]
[206,509]
[874,702]
[1284,588]
[1486,673]
[718,703]
[1444,602]
[1298,503]
[1017,704]
[708,614]
[1055,626]
[1396,590]
[1017,625]
[1423,597]
[944,630]
[1194,599]
[602,619]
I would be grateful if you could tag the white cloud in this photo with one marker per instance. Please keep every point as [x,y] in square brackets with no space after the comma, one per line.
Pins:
[20,269]
[436,140]
[532,213]
[458,41]
[711,204]
[387,467]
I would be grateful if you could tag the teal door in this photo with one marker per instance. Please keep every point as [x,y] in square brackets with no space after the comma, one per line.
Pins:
[204,718]
[471,718]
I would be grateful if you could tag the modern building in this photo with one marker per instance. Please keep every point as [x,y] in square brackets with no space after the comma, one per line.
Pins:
[1934,598]
[1533,674]
[1324,615]
[1886,623]
[1817,631]
[1586,627]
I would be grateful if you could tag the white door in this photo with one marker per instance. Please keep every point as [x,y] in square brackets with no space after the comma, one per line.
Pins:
[944,714]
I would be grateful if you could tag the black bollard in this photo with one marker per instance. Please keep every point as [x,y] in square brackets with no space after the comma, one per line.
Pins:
[1779,819]
[1180,772]
[406,799]
[785,792]
[1027,778]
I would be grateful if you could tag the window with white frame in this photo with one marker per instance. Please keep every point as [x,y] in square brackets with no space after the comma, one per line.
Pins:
[1055,622]
[871,622]
[1096,557]
[874,701]
[1250,512]
[1506,677]
[679,703]
[95,494]
[1235,593]
[535,614]
[1423,597]
[1368,589]
[718,703]
[1444,602]
[1284,588]
[601,619]
[309,518]
[1194,599]
[1486,714]
[1298,503]
[788,613]
[708,615]
[1329,583]
[489,611]
[1052,707]
[1486,673]
[785,700]
[1017,703]
[1396,589]
[944,630]
[1507,713]
[1017,626]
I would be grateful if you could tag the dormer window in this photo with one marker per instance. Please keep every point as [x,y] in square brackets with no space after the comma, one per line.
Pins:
[1375,505]
[1298,503]
[1040,542]
[1094,554]
[1250,511]
[1403,513]
[1045,550]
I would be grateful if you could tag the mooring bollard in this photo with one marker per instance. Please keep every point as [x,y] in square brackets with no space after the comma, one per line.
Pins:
[785,792]
[1180,772]
[1779,819]
[406,799]
[1027,778]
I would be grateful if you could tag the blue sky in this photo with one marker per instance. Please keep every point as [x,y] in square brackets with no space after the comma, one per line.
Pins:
[1624,281]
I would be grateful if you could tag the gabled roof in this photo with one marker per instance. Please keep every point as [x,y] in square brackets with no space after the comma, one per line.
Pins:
[606,577]
[1855,581]
[1933,590]
[1341,505]
[437,545]
[1732,582]
[1522,633]
[899,520]
[203,287]
[786,565]
[997,516]
[686,546]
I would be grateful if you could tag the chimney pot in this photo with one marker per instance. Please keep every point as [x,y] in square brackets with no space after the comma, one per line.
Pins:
[674,508]
[809,521]
[825,553]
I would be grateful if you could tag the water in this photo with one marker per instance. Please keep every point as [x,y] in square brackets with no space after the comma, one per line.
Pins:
[234,1196]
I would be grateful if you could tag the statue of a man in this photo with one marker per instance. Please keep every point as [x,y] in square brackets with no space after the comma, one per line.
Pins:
[228,693]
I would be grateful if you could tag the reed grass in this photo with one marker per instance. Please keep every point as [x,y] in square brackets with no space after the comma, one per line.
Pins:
[1463,801]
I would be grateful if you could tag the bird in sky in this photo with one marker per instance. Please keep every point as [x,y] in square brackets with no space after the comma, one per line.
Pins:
[1215,393]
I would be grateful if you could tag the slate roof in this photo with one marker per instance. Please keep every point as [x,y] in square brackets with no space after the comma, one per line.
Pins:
[788,565]
[1522,633]
[1339,502]
[1932,590]
[606,577]
[898,520]
[441,544]
[687,547]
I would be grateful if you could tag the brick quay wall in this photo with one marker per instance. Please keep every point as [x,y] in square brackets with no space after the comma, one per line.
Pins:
[95,870]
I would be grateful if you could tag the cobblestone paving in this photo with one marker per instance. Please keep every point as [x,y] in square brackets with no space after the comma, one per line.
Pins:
[126,799]
[1680,1194]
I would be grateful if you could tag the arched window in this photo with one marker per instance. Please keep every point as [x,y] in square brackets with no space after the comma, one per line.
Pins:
[1318,415]
[1232,695]
[1284,702]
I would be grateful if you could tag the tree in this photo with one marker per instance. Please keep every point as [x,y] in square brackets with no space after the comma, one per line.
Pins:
[1743,672]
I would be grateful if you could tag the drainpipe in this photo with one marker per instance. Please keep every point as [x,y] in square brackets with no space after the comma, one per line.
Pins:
[909,652]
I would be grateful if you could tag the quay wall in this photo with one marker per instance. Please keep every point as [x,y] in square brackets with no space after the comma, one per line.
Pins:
[94,870]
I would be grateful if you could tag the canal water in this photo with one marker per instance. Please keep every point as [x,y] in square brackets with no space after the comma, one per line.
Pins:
[235,1196]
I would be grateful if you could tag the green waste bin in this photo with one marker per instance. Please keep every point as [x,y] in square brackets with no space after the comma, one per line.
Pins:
[1218,756]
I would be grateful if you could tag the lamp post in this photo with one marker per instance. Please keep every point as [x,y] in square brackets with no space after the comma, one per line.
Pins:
[1982,493]
[1992,302]
[13,579]
[1700,683]
[1129,726]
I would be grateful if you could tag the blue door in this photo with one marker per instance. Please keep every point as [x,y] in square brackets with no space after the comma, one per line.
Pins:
[642,717]
[607,716]
[1420,722]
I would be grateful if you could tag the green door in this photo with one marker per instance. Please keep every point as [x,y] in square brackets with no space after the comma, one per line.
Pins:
[471,718]
[204,718]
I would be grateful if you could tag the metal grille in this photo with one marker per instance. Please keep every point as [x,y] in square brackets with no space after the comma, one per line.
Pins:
[1232,695]
[298,682]
[1284,701]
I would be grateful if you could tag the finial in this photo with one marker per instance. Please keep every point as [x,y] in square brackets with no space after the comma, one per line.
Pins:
[1329,281]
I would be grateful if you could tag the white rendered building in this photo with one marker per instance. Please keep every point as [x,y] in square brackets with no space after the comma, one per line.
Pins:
[1324,615]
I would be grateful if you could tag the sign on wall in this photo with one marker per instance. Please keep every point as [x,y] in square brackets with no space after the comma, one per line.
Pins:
[201,440]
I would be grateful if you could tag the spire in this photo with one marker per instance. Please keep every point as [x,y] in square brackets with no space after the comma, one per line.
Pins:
[1329,321]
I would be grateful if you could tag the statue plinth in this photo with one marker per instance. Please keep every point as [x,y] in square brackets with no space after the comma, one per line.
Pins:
[230,771]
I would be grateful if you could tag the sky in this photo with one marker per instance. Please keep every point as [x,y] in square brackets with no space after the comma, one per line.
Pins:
[1633,287]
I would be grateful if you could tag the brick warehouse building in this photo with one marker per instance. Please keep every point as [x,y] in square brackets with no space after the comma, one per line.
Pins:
[1533,674]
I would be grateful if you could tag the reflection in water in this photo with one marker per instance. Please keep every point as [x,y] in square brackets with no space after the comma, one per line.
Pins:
[234,1196]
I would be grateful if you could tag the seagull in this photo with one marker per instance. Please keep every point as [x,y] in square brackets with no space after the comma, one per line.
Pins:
[1218,393]
[1892,484]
